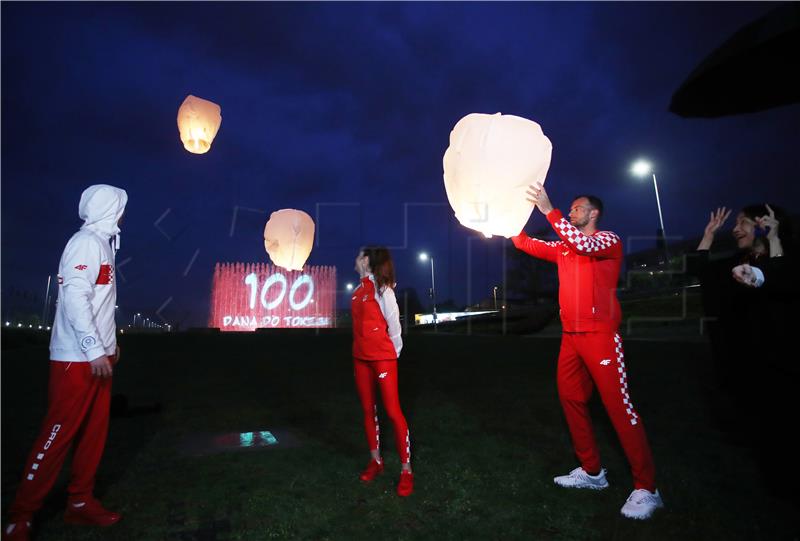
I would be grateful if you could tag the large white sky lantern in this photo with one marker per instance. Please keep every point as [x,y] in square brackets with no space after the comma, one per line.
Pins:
[288,238]
[491,161]
[198,123]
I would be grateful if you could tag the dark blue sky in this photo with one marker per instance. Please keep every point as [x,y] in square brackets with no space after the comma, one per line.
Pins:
[344,110]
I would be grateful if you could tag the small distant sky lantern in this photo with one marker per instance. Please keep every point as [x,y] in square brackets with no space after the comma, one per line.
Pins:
[490,162]
[198,123]
[288,238]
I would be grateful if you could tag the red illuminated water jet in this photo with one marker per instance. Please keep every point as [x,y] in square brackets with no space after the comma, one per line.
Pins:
[249,296]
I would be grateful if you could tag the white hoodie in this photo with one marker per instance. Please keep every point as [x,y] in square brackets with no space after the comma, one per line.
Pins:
[84,327]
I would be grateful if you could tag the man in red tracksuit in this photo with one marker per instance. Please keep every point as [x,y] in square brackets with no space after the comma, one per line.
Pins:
[83,351]
[591,353]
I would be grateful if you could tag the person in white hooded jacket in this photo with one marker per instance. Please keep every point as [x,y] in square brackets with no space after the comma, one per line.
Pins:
[83,351]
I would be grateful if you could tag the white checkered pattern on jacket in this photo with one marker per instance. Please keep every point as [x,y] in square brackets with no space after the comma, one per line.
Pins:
[584,243]
[623,381]
[408,447]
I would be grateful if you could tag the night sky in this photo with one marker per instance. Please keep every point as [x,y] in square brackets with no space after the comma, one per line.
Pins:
[344,111]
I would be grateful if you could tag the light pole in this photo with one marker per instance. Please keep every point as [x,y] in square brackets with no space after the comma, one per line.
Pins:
[46,301]
[134,318]
[424,257]
[642,168]
[494,292]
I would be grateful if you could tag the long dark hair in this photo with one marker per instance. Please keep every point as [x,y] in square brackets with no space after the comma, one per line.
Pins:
[380,261]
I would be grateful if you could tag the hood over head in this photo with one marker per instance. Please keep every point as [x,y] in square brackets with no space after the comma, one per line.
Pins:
[101,207]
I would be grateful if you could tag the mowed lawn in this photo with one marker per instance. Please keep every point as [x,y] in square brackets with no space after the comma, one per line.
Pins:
[487,433]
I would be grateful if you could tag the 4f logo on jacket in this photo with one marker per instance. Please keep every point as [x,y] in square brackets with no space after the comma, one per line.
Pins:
[81,267]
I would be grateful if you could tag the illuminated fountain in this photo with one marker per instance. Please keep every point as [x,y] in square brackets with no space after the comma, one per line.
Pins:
[249,296]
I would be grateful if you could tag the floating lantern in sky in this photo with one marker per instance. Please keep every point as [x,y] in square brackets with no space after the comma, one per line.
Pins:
[490,162]
[198,123]
[288,238]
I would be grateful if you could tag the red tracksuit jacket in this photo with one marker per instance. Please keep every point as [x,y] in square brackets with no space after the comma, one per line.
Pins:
[588,270]
[372,339]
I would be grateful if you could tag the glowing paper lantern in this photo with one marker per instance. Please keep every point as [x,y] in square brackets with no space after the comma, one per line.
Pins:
[490,162]
[198,123]
[288,238]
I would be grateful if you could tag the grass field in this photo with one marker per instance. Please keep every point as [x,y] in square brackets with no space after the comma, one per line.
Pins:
[487,432]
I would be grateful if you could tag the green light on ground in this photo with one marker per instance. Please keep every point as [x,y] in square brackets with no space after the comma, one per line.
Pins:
[257,439]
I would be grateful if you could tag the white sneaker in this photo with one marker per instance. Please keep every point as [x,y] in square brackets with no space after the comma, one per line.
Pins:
[641,504]
[578,478]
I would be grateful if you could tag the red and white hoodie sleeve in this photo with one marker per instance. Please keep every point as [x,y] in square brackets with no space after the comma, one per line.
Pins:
[543,249]
[391,313]
[76,333]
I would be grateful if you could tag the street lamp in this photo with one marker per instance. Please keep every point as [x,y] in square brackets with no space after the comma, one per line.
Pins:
[424,257]
[46,299]
[642,168]
[494,292]
[349,287]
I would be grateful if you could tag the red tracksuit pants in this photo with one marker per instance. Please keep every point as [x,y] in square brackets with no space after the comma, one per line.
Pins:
[589,360]
[78,411]
[384,373]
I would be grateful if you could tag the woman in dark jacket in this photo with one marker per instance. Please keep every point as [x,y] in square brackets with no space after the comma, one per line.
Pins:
[735,313]
[750,328]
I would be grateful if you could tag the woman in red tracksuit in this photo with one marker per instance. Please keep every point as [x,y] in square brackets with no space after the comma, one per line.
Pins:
[376,347]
